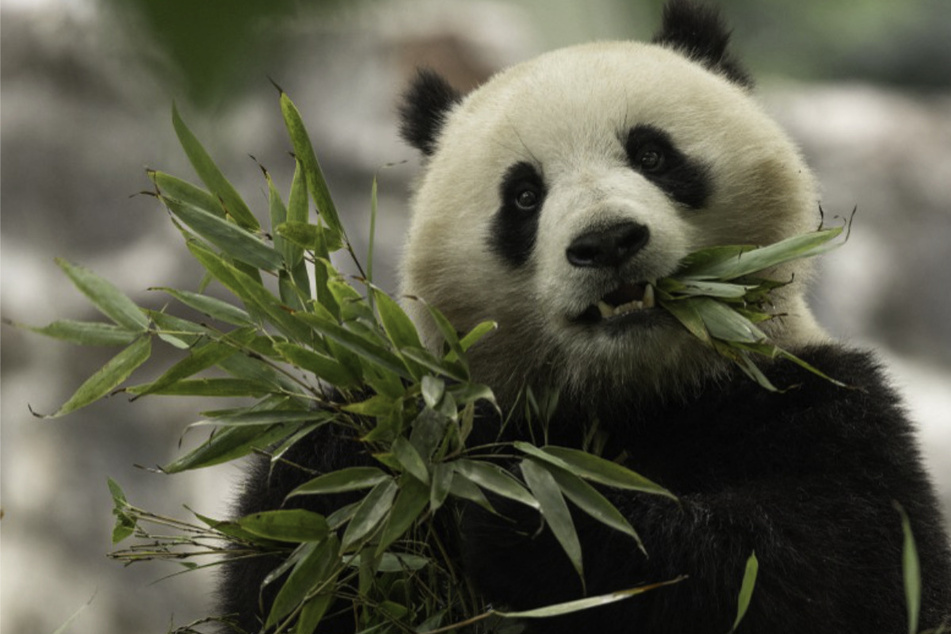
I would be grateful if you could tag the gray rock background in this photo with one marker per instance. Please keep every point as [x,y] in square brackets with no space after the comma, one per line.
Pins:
[84,112]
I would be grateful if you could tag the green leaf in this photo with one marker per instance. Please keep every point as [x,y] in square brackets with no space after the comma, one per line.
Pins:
[586,603]
[496,479]
[295,525]
[107,298]
[229,444]
[397,324]
[254,418]
[594,468]
[220,388]
[304,235]
[212,176]
[87,333]
[755,260]
[211,306]
[199,358]
[312,613]
[443,474]
[342,480]
[371,511]
[322,366]
[410,503]
[725,324]
[251,292]
[911,569]
[179,189]
[237,242]
[304,151]
[687,314]
[746,589]
[476,334]
[313,571]
[408,458]
[108,377]
[363,348]
[554,509]
[450,336]
[125,522]
[590,500]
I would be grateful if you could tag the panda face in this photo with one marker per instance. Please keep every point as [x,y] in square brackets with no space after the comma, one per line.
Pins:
[555,195]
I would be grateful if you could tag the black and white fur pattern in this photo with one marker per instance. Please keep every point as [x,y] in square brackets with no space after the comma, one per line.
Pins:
[568,182]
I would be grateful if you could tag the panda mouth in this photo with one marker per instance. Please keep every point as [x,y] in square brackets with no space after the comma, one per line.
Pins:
[624,300]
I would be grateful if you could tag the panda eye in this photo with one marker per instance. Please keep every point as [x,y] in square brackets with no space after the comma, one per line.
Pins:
[650,158]
[526,199]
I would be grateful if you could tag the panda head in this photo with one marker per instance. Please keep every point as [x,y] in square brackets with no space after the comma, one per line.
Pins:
[556,193]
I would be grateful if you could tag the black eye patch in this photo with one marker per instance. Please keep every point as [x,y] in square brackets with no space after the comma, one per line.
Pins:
[513,231]
[651,153]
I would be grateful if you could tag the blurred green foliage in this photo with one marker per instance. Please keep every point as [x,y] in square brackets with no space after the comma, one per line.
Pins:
[210,47]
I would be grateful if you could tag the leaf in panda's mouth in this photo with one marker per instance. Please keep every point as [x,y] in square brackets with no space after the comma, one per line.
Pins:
[719,295]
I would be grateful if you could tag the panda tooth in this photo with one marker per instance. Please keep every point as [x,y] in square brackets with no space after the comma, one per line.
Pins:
[606,309]
[648,301]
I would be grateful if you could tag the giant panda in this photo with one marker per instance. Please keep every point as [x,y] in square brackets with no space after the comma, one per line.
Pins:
[551,198]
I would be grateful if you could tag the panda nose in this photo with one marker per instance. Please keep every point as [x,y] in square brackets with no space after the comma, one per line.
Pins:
[608,248]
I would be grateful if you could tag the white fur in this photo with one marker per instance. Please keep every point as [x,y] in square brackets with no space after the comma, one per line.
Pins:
[567,113]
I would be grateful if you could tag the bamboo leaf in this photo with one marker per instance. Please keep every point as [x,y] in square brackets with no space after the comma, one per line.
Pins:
[593,468]
[911,570]
[590,500]
[209,173]
[304,235]
[323,367]
[726,324]
[255,418]
[237,242]
[495,479]
[363,348]
[371,511]
[316,183]
[746,590]
[313,571]
[229,444]
[216,387]
[408,458]
[294,525]
[554,509]
[199,358]
[397,324]
[586,603]
[108,377]
[112,302]
[409,506]
[312,613]
[172,187]
[250,291]
[211,306]
[687,314]
[441,485]
[87,333]
[756,260]
[342,481]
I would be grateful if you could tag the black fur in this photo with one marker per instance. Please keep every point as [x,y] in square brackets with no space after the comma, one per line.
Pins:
[806,479]
[683,179]
[700,33]
[514,228]
[424,108]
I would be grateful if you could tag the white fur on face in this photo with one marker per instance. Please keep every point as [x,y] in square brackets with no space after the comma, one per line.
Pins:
[567,113]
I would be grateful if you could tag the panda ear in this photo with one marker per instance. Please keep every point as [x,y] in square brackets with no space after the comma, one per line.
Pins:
[424,108]
[700,34]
